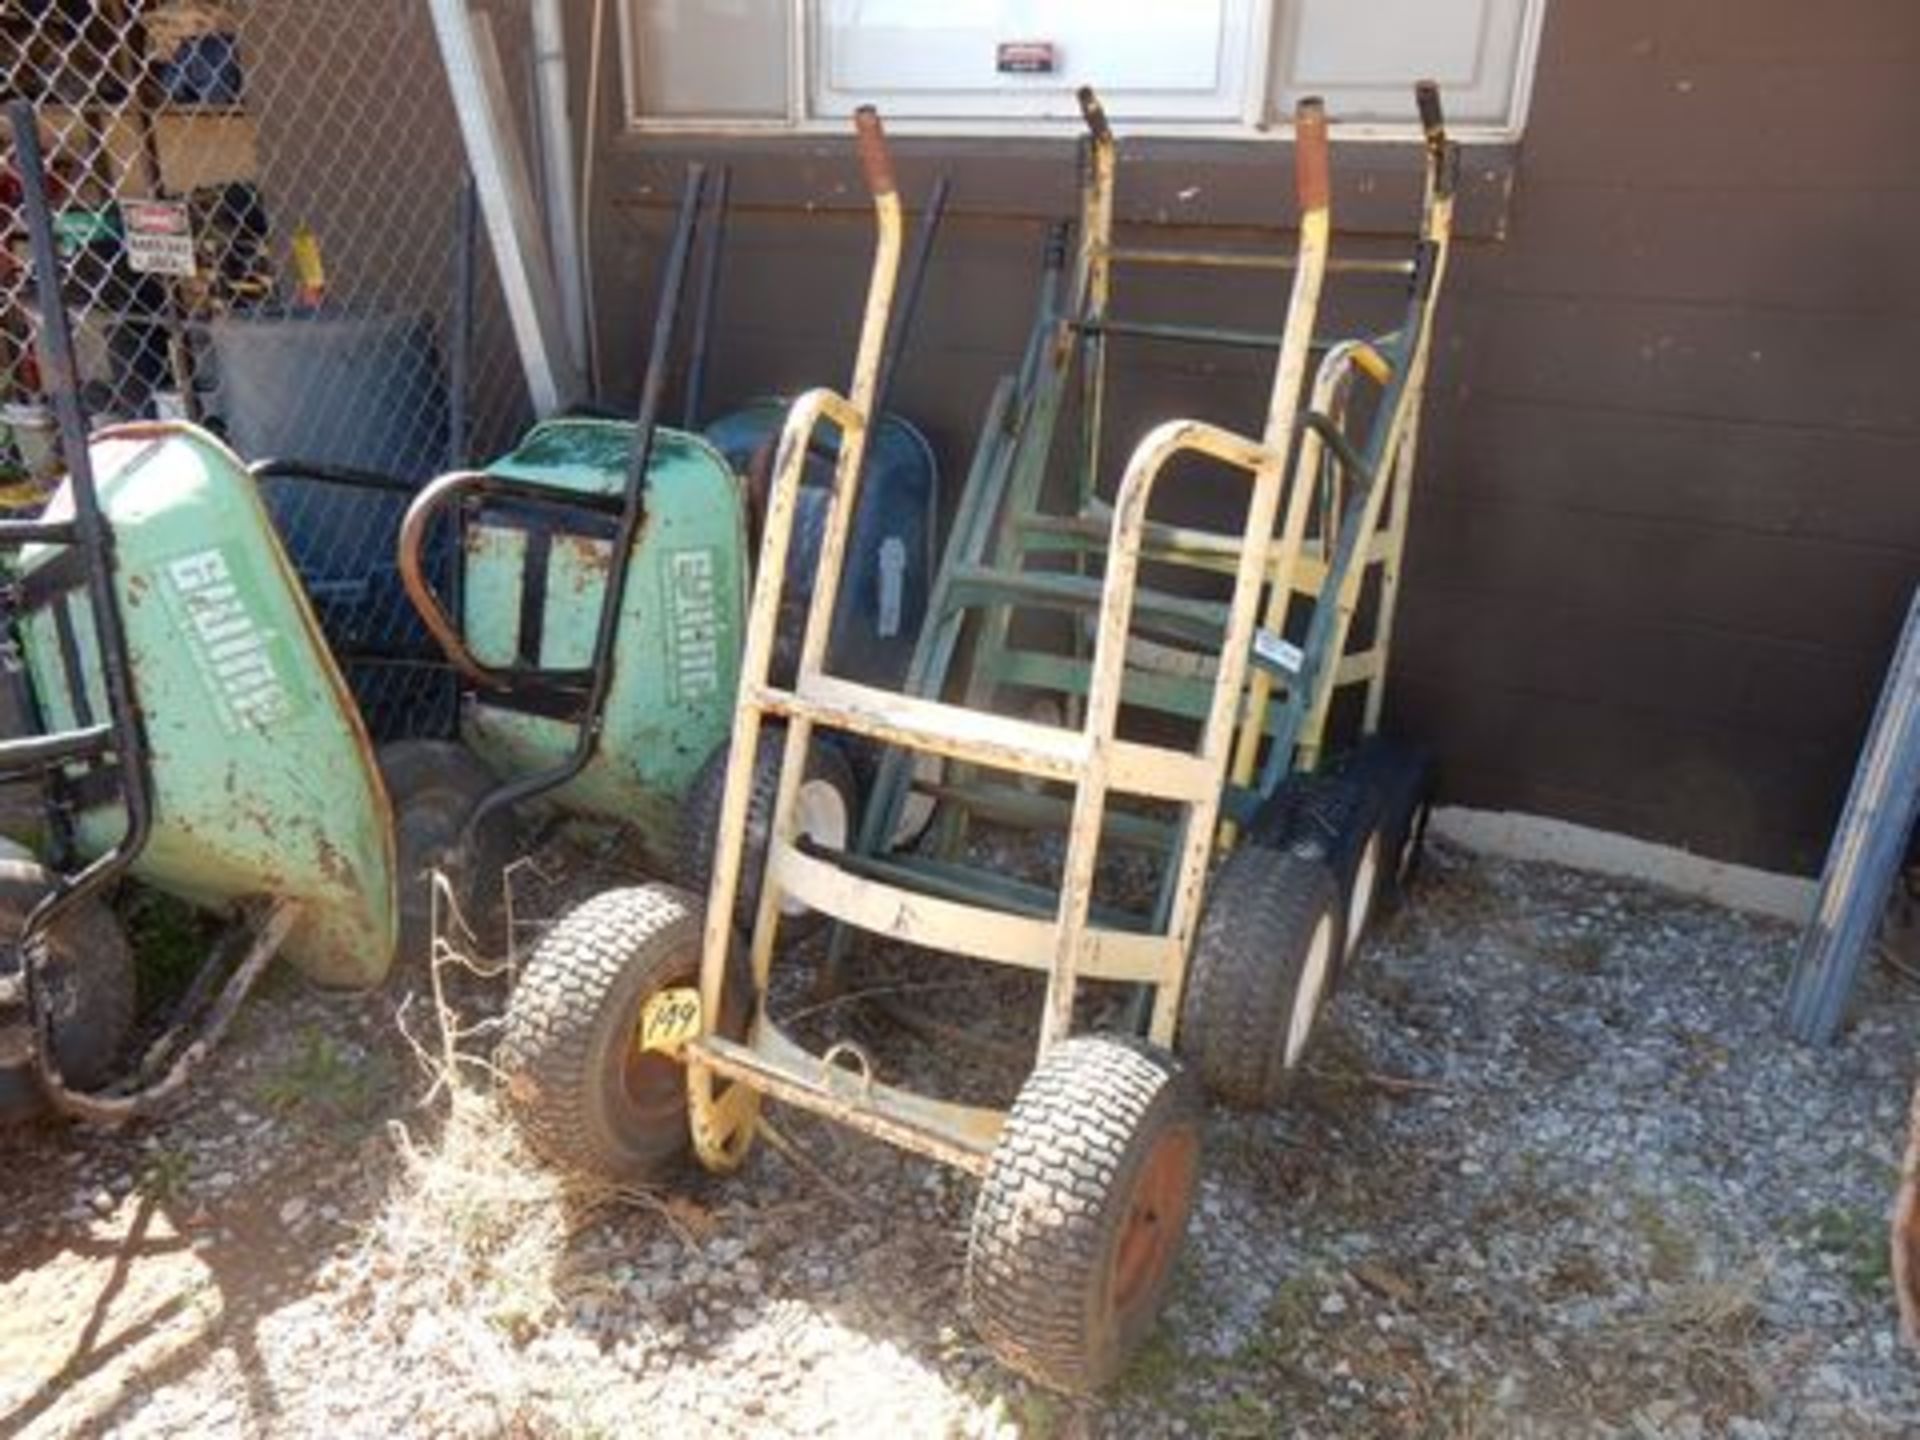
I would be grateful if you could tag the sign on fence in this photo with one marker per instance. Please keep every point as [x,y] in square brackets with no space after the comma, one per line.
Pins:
[159,237]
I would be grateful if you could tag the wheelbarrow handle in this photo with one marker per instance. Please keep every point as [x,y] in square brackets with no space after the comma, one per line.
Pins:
[1310,163]
[481,485]
[874,157]
[1443,157]
[419,588]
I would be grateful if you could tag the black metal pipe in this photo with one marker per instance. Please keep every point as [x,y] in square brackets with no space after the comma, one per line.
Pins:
[37,532]
[480,485]
[95,539]
[59,375]
[329,474]
[708,301]
[1336,440]
[912,285]
[460,325]
[673,286]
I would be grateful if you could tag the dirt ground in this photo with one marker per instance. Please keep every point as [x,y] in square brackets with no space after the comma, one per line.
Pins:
[1551,1170]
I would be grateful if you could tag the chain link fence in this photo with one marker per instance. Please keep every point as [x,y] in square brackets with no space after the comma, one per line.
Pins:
[257,204]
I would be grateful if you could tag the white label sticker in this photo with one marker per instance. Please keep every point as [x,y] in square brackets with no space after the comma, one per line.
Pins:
[1278,651]
[159,237]
[893,583]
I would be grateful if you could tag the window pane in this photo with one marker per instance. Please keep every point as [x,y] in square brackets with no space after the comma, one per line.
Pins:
[724,59]
[990,59]
[1364,55]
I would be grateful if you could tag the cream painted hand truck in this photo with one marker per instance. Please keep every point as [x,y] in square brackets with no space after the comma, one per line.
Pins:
[641,1018]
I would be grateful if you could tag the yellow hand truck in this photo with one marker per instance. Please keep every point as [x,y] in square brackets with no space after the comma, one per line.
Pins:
[640,1027]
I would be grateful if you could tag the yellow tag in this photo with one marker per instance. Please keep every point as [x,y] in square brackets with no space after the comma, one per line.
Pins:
[310,271]
[670,1019]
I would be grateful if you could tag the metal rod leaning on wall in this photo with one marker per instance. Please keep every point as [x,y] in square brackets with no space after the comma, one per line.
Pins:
[460,326]
[472,65]
[709,299]
[1866,855]
[912,285]
[90,530]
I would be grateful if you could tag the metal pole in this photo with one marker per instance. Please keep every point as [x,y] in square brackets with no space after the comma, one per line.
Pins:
[555,130]
[460,325]
[911,287]
[507,204]
[96,546]
[1868,846]
[708,299]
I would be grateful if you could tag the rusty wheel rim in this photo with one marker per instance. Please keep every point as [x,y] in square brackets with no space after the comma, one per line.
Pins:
[1156,1219]
[652,1086]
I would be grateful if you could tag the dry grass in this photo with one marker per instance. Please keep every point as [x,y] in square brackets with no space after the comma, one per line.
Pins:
[1710,1327]
[470,1256]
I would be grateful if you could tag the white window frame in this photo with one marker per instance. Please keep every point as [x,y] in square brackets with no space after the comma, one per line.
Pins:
[1254,122]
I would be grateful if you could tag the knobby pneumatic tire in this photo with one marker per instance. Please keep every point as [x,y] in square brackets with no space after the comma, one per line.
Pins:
[1341,820]
[1083,1210]
[91,980]
[829,808]
[1403,774]
[584,1093]
[1263,966]
[433,786]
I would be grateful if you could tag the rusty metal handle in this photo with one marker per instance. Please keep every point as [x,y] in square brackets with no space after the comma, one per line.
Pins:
[1310,164]
[1443,157]
[874,158]
[413,575]
[1433,119]
[1095,114]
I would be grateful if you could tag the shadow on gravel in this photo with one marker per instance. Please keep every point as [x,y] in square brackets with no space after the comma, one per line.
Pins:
[131,1262]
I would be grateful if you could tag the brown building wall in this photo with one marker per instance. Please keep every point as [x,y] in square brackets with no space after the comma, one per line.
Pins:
[1669,507]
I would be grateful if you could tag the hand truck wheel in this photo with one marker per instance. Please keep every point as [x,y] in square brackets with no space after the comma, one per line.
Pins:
[1264,964]
[588,1092]
[1083,1210]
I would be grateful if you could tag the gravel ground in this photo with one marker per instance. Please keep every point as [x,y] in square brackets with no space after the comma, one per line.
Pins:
[1550,1171]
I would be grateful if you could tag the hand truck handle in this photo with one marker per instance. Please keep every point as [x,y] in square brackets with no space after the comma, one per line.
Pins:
[1311,168]
[1443,157]
[1433,119]
[1095,114]
[875,160]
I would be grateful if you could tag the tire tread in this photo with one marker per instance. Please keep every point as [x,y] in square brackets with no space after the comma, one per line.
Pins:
[1094,1104]
[1262,910]
[547,1048]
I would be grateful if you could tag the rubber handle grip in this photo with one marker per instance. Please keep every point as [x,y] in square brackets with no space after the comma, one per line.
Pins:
[874,157]
[1433,119]
[1095,114]
[1311,170]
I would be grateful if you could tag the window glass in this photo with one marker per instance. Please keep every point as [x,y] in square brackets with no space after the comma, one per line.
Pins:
[1175,63]
[718,59]
[988,58]
[1364,55]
